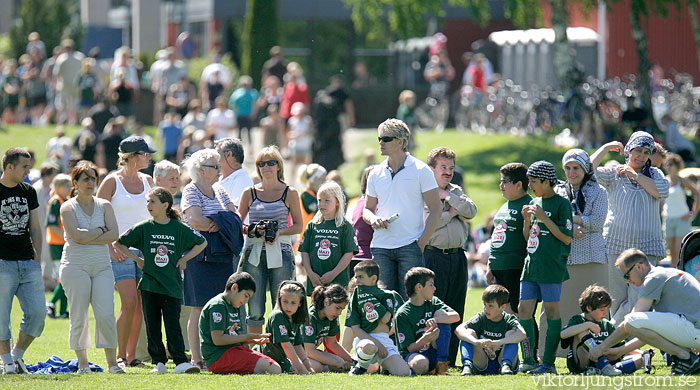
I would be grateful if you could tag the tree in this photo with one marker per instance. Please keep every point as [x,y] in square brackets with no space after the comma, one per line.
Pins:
[693,13]
[61,22]
[260,33]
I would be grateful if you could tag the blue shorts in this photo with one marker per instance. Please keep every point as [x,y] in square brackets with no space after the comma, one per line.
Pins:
[545,292]
[430,354]
[127,269]
[492,368]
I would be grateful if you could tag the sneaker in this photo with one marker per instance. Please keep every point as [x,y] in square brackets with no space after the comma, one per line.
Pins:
[687,366]
[543,369]
[9,368]
[525,367]
[442,368]
[186,368]
[116,370]
[85,370]
[21,367]
[159,369]
[357,370]
[467,370]
[609,370]
[64,315]
[592,371]
[506,369]
[50,310]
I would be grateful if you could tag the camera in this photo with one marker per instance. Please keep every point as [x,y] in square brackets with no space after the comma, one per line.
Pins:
[271,227]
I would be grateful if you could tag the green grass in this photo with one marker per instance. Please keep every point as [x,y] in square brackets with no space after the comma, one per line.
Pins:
[54,341]
[479,156]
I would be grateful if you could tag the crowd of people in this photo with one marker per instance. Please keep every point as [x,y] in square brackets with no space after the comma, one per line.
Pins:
[194,243]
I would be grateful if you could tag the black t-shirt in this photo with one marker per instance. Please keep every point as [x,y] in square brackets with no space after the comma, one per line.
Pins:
[15,205]
[101,114]
[111,142]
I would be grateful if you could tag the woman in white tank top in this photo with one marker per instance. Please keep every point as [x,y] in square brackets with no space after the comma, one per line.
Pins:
[126,189]
[677,215]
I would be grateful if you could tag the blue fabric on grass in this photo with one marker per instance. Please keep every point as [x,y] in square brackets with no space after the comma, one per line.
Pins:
[56,365]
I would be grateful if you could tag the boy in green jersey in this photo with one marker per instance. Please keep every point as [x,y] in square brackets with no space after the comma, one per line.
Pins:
[370,316]
[222,332]
[590,328]
[423,324]
[548,227]
[495,332]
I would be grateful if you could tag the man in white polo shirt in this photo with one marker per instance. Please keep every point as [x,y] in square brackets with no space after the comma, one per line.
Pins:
[397,188]
[234,179]
[672,326]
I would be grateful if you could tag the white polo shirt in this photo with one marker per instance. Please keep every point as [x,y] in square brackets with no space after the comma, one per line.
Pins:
[402,194]
[234,185]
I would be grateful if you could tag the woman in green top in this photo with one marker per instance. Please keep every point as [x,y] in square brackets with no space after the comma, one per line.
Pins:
[285,325]
[328,303]
[167,244]
[329,241]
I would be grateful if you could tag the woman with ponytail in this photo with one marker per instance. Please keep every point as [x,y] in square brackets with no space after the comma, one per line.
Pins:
[167,244]
[328,302]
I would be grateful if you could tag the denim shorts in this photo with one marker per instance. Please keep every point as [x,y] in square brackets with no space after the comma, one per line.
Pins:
[127,269]
[545,292]
[22,279]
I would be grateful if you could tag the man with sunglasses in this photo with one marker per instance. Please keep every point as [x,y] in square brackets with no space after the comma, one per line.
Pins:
[673,325]
[397,189]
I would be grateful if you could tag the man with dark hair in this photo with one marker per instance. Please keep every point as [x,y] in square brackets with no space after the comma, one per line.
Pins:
[20,254]
[234,179]
[444,254]
[674,324]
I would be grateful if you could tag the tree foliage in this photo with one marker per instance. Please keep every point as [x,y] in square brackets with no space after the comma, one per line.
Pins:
[260,33]
[54,20]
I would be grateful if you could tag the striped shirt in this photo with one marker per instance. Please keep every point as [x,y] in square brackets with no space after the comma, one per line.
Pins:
[591,247]
[192,196]
[634,217]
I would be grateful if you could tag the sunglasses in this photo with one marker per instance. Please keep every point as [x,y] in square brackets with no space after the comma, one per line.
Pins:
[386,139]
[217,167]
[142,153]
[269,163]
[626,275]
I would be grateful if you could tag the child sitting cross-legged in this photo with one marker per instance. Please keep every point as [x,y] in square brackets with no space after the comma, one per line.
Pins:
[423,324]
[588,329]
[494,333]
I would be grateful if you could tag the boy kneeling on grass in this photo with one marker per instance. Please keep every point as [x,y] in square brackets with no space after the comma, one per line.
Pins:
[423,324]
[495,332]
[370,316]
[588,329]
[222,332]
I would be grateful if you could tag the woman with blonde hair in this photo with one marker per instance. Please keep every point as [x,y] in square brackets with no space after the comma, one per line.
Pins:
[126,189]
[268,255]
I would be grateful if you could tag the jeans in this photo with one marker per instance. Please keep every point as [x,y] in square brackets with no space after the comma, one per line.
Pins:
[23,279]
[156,307]
[394,263]
[264,276]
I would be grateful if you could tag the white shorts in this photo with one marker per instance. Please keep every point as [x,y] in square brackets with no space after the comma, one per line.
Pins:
[673,327]
[383,339]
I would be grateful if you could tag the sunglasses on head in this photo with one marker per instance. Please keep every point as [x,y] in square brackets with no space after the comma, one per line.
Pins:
[386,139]
[269,163]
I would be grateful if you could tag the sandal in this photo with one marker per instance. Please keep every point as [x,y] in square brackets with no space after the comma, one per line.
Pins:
[201,365]
[121,362]
[137,363]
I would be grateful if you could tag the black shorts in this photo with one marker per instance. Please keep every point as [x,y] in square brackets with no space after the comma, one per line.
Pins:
[510,279]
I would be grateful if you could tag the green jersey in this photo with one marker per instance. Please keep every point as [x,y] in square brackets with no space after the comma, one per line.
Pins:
[606,329]
[326,244]
[218,314]
[162,246]
[492,330]
[283,331]
[410,322]
[318,328]
[546,259]
[508,245]
[368,306]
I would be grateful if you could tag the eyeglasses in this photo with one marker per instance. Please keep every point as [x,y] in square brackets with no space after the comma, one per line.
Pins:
[217,166]
[386,139]
[269,163]
[626,275]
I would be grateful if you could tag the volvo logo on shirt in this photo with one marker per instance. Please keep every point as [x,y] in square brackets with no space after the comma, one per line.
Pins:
[162,237]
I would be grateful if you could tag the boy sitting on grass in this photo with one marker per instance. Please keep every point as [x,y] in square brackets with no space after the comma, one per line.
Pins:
[588,329]
[222,332]
[423,324]
[495,332]
[370,316]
